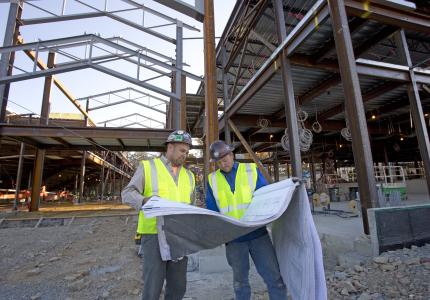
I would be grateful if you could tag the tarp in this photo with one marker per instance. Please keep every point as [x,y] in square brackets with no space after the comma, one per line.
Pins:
[184,229]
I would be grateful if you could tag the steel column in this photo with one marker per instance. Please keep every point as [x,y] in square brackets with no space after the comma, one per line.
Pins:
[102,179]
[415,104]
[19,176]
[354,109]
[82,177]
[121,182]
[113,179]
[37,179]
[227,134]
[211,120]
[178,77]
[289,102]
[313,174]
[276,167]
[40,153]
[183,107]
[46,103]
[76,184]
[7,60]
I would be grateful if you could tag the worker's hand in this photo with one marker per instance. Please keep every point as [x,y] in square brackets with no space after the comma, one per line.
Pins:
[296,179]
[146,199]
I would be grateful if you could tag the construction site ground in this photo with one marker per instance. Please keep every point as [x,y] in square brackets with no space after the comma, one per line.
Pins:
[91,255]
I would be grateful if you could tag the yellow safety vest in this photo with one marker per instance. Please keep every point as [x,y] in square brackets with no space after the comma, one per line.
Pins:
[234,204]
[159,182]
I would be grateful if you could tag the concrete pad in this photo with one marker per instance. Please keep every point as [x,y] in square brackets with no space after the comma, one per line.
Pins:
[213,264]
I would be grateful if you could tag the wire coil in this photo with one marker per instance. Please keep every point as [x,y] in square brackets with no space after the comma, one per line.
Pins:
[346,134]
[263,123]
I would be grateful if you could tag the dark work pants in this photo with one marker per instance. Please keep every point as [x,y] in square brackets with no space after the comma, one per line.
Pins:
[155,271]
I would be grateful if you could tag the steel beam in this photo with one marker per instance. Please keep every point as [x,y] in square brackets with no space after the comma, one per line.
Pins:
[265,42]
[74,41]
[103,162]
[7,59]
[304,28]
[354,109]
[245,28]
[184,8]
[157,13]
[239,69]
[123,90]
[416,106]
[289,101]
[135,123]
[125,101]
[60,86]
[46,102]
[406,19]
[226,98]
[83,132]
[378,91]
[95,15]
[249,149]
[130,115]
[211,121]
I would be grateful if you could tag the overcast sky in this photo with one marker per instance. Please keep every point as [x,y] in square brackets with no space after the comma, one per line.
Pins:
[25,96]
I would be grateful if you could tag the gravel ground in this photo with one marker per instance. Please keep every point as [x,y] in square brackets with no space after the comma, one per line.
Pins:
[401,274]
[95,258]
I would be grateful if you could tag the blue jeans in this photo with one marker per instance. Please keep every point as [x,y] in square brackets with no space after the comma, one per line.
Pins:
[266,263]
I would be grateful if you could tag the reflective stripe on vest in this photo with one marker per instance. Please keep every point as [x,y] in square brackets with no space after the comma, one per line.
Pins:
[159,182]
[234,204]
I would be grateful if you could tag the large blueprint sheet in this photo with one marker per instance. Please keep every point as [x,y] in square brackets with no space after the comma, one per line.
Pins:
[185,229]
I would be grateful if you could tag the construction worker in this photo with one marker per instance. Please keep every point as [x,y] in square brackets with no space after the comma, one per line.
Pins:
[229,192]
[167,178]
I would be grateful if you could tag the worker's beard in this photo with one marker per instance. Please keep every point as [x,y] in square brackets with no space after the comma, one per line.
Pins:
[178,162]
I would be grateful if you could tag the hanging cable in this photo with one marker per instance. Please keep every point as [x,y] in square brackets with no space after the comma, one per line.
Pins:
[305,135]
[316,126]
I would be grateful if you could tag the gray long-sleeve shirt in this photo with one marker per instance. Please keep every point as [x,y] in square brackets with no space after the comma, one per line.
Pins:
[132,194]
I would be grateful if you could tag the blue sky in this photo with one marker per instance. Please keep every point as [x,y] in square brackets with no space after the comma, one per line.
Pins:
[25,96]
